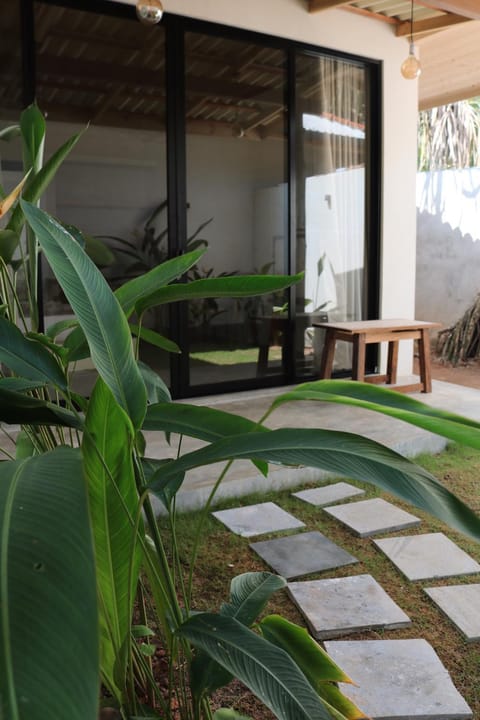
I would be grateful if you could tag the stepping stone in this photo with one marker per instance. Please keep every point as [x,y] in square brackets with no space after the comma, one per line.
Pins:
[344,605]
[297,555]
[257,519]
[326,495]
[398,680]
[370,517]
[461,604]
[429,556]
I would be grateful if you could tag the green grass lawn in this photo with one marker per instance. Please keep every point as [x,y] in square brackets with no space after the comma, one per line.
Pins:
[224,555]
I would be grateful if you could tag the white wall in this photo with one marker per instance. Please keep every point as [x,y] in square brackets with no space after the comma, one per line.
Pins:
[349,32]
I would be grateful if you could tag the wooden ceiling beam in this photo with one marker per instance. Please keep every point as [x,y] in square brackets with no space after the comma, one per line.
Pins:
[318,5]
[468,8]
[431,24]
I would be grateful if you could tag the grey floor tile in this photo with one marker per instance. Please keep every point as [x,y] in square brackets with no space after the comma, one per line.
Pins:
[370,517]
[257,519]
[460,603]
[331,493]
[340,606]
[428,556]
[398,680]
[297,555]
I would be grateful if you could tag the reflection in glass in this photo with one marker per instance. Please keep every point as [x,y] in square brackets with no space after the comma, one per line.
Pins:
[237,202]
[330,200]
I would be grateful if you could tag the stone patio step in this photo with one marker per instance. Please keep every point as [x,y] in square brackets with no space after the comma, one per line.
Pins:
[428,556]
[330,493]
[371,517]
[461,604]
[398,680]
[302,554]
[340,606]
[257,519]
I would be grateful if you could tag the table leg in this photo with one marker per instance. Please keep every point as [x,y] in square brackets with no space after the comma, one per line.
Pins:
[326,364]
[424,359]
[358,365]
[392,362]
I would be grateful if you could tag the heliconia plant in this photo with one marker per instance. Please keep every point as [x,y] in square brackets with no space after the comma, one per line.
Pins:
[80,541]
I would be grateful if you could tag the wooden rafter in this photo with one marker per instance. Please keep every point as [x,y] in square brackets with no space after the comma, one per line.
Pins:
[440,22]
[468,8]
[317,5]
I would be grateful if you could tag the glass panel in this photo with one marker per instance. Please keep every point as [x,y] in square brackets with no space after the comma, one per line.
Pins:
[237,202]
[108,72]
[331,202]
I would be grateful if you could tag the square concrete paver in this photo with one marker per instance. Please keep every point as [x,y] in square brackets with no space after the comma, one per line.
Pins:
[297,555]
[343,605]
[370,517]
[429,556]
[460,603]
[398,680]
[257,519]
[331,493]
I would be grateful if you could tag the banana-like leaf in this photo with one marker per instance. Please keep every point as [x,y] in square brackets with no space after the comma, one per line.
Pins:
[28,358]
[455,427]
[7,202]
[107,451]
[157,391]
[10,133]
[319,669]
[231,286]
[19,384]
[97,310]
[154,338]
[249,593]
[76,345]
[33,129]
[57,328]
[48,618]
[346,455]
[202,423]
[228,714]
[264,668]
[137,289]
[19,409]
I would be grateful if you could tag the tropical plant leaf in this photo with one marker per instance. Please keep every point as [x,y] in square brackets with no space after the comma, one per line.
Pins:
[76,345]
[97,310]
[19,384]
[249,593]
[107,451]
[57,328]
[228,714]
[10,133]
[49,648]
[264,668]
[19,409]
[157,391]
[365,395]
[8,242]
[33,128]
[154,338]
[346,455]
[231,286]
[138,288]
[166,491]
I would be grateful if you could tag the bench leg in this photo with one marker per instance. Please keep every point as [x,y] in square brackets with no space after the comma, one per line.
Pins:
[392,363]
[326,364]
[358,365]
[424,358]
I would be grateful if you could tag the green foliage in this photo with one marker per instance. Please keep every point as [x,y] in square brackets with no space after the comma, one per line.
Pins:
[77,521]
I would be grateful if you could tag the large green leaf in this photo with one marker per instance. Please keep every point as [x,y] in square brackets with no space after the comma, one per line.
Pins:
[19,409]
[455,427]
[264,668]
[28,358]
[33,127]
[107,450]
[157,391]
[97,310]
[344,454]
[232,286]
[135,290]
[48,607]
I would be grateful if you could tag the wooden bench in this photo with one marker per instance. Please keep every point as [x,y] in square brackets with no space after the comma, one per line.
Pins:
[365,332]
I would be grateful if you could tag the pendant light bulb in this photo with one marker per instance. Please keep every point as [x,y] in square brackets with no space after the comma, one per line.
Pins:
[411,68]
[149,12]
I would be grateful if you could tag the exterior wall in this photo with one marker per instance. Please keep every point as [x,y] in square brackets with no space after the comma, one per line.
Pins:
[448,244]
[345,31]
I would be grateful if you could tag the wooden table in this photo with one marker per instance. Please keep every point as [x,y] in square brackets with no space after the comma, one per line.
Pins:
[365,332]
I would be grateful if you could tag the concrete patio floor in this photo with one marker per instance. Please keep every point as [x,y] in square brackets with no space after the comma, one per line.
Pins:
[243,478]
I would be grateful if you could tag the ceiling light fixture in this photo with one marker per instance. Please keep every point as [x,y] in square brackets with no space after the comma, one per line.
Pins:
[149,12]
[411,67]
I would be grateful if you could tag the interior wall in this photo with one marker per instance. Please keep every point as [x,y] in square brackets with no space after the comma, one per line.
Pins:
[348,32]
